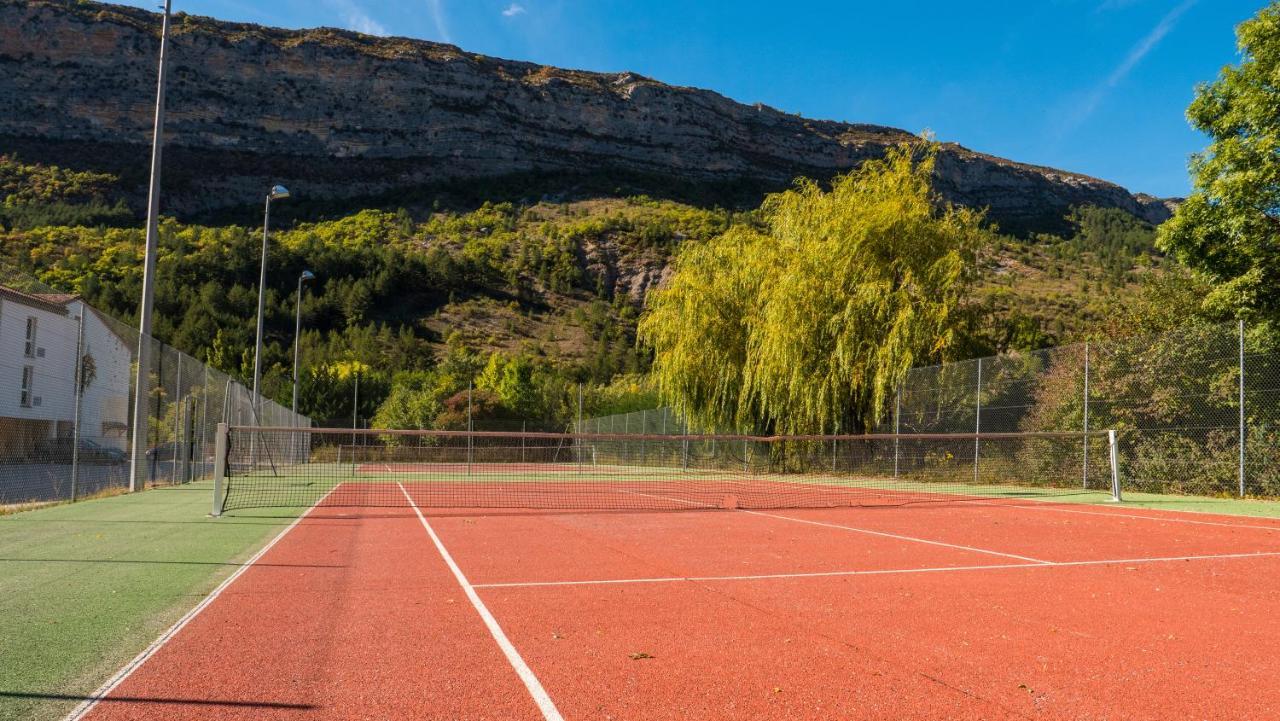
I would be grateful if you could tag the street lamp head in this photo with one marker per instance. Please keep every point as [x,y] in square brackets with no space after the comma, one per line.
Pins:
[306,276]
[278,192]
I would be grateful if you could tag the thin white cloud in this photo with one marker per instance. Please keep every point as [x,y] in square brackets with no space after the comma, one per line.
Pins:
[437,16]
[1144,47]
[513,10]
[356,18]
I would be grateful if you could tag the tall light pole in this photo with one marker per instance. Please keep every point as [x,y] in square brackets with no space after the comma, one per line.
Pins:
[277,192]
[142,379]
[306,276]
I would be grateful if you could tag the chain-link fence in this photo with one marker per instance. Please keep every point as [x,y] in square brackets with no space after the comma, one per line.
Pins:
[1197,409]
[67,373]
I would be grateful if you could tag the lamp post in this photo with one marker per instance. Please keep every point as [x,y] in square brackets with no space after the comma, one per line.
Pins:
[142,381]
[306,277]
[277,192]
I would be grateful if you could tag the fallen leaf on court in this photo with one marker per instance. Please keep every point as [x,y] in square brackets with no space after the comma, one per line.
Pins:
[638,656]
[777,689]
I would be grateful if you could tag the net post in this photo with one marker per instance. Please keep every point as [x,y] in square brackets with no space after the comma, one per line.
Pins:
[219,465]
[1113,449]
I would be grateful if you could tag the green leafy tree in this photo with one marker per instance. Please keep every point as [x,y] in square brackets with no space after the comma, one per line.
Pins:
[1229,228]
[809,324]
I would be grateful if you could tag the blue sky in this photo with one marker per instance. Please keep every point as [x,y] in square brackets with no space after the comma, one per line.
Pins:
[1094,86]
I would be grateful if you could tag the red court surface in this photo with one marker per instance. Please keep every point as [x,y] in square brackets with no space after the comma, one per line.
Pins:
[961,611]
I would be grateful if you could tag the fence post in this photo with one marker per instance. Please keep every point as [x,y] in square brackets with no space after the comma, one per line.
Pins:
[977,422]
[644,429]
[177,398]
[1240,470]
[78,389]
[1113,446]
[523,429]
[1085,471]
[897,429]
[204,422]
[581,429]
[219,466]
[684,457]
[470,430]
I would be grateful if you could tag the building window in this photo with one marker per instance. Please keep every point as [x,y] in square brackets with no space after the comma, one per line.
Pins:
[31,336]
[28,377]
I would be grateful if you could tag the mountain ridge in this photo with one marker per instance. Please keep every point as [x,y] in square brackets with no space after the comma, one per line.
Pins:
[339,116]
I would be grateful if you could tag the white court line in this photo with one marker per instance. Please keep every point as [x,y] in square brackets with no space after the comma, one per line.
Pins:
[855,529]
[531,682]
[879,572]
[127,670]
[1161,519]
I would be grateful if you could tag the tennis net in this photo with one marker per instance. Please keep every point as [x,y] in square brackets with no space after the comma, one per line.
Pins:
[292,467]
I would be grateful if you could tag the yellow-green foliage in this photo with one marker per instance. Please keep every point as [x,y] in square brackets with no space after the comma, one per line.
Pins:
[808,325]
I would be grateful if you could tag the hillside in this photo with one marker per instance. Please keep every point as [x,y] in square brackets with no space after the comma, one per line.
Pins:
[458,210]
[350,121]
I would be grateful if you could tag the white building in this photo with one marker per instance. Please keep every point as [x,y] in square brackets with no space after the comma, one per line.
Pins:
[39,335]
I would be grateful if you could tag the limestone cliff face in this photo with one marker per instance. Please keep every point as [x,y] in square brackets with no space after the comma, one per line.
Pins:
[335,114]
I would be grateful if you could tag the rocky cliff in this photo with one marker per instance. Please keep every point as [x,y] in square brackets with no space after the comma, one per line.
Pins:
[338,115]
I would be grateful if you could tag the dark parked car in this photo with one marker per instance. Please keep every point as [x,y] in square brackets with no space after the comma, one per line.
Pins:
[171,451]
[59,450]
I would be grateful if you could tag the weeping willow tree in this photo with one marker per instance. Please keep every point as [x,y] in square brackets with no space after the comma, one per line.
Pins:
[808,324]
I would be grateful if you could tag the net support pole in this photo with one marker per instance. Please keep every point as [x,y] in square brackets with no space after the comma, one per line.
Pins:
[219,466]
[1085,463]
[1240,468]
[977,423]
[1113,449]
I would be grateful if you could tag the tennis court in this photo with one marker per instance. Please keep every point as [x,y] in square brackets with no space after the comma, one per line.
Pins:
[594,589]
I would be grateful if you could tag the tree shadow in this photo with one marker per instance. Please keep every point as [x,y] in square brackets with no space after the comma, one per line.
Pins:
[159,700]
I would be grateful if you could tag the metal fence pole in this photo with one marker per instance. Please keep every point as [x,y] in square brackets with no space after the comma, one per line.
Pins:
[644,428]
[977,423]
[1240,471]
[684,457]
[204,422]
[470,429]
[177,398]
[1085,471]
[78,388]
[897,429]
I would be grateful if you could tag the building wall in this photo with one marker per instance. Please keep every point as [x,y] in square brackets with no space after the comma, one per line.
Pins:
[52,411]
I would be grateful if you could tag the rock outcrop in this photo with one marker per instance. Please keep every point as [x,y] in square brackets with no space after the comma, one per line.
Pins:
[339,115]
